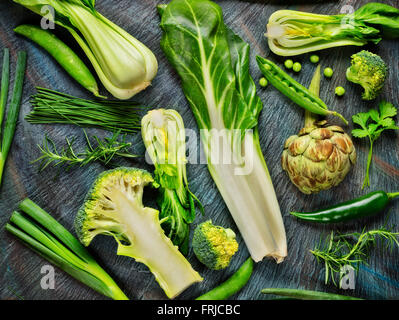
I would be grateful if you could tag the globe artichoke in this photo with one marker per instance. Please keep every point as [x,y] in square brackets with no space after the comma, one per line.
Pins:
[320,156]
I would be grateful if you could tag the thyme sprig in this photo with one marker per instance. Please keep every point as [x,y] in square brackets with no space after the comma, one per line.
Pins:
[104,152]
[351,249]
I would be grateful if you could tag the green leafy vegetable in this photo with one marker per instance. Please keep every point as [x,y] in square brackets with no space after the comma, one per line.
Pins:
[165,140]
[124,65]
[114,207]
[368,70]
[103,152]
[15,104]
[213,64]
[372,124]
[292,32]
[47,237]
[54,107]
[351,249]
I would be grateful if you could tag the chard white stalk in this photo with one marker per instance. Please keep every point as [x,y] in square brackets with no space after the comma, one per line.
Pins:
[213,64]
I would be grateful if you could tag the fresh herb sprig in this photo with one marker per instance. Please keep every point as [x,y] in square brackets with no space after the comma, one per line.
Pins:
[372,124]
[104,151]
[351,249]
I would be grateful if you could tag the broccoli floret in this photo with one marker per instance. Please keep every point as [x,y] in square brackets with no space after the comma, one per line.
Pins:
[213,245]
[114,207]
[368,70]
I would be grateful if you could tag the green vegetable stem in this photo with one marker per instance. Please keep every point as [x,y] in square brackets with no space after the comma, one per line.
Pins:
[47,237]
[62,54]
[293,90]
[232,285]
[15,104]
[365,206]
[306,294]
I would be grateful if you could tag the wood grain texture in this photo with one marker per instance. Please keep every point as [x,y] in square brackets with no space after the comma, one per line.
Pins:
[61,193]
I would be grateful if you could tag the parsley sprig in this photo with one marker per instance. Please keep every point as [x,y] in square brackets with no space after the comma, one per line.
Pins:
[372,124]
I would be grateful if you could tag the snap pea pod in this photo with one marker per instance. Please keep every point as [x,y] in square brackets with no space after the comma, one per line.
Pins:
[294,90]
[307,294]
[231,285]
[62,54]
[367,205]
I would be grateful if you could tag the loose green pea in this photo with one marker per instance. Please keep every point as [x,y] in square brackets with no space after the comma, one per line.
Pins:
[314,58]
[339,91]
[263,82]
[288,63]
[328,72]
[297,67]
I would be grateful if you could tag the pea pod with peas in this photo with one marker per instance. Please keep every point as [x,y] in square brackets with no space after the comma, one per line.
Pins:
[63,54]
[294,90]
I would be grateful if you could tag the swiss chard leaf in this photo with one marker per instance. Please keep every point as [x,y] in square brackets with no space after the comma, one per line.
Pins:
[196,42]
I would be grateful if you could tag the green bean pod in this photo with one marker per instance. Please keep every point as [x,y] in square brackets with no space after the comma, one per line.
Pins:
[306,294]
[294,90]
[63,54]
[232,285]
[367,205]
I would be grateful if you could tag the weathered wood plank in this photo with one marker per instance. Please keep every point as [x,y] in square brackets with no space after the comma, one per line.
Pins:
[61,192]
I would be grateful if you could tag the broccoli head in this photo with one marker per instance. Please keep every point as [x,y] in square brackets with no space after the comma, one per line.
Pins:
[114,207]
[368,70]
[213,245]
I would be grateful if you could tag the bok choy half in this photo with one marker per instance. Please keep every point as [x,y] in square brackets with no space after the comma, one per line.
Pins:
[213,64]
[124,65]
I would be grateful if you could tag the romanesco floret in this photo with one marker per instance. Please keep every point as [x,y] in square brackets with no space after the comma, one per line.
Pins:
[213,245]
[368,70]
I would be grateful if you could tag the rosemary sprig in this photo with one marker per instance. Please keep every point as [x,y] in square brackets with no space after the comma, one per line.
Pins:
[351,249]
[104,152]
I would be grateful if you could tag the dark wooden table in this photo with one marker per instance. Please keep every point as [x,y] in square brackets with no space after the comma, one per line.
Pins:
[61,192]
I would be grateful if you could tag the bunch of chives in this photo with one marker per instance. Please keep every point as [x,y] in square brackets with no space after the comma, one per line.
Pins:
[50,106]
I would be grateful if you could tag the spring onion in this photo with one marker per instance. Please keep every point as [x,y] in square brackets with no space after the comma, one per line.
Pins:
[15,104]
[47,237]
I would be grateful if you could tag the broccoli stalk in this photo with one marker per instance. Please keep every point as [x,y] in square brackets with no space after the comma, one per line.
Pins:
[368,70]
[114,207]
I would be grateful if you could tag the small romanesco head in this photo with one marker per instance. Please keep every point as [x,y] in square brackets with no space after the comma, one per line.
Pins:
[213,245]
[368,70]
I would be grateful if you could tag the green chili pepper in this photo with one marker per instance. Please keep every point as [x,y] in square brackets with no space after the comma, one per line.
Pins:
[293,90]
[62,54]
[365,206]
[307,294]
[231,285]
